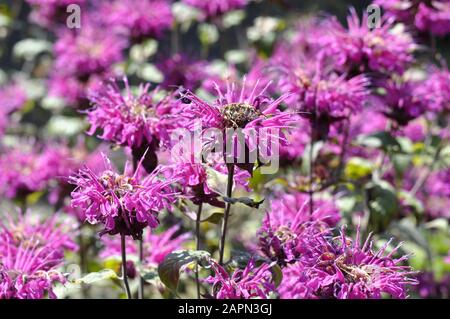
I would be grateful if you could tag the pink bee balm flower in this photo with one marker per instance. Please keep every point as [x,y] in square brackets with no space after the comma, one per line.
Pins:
[12,98]
[121,202]
[380,49]
[193,179]
[30,254]
[138,18]
[436,90]
[247,110]
[28,169]
[181,70]
[214,8]
[90,49]
[48,12]
[130,120]
[346,270]
[248,283]
[434,18]
[320,94]
[156,246]
[402,101]
[289,230]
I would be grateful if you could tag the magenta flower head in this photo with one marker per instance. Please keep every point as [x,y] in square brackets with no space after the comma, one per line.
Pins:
[91,49]
[402,101]
[181,70]
[289,230]
[215,8]
[31,251]
[435,90]
[247,119]
[426,16]
[321,95]
[137,19]
[434,18]
[156,246]
[346,270]
[436,194]
[12,98]
[48,13]
[137,121]
[249,283]
[380,49]
[27,169]
[121,202]
[193,180]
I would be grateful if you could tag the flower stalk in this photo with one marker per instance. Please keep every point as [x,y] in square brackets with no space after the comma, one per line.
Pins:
[124,265]
[197,245]
[227,212]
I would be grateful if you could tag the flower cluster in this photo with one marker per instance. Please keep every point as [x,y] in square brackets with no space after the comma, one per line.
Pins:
[138,19]
[383,48]
[247,283]
[31,253]
[164,125]
[427,16]
[344,269]
[289,229]
[215,8]
[121,202]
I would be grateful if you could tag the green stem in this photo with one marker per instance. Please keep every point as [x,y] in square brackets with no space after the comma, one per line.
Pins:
[124,265]
[227,212]
[141,261]
[197,237]
[311,173]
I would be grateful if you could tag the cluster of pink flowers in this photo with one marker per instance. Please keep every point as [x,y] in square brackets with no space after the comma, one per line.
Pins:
[47,13]
[355,112]
[123,203]
[27,169]
[130,120]
[31,252]
[289,230]
[344,269]
[215,8]
[427,16]
[12,98]
[138,19]
[360,47]
[247,283]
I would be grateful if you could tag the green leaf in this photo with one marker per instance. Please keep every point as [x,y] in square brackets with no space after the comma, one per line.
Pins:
[412,202]
[208,33]
[277,274]
[97,276]
[401,162]
[357,168]
[407,231]
[175,262]
[150,72]
[65,126]
[149,274]
[243,200]
[214,218]
[380,140]
[140,53]
[233,18]
[383,204]
[216,181]
[33,198]
[28,49]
